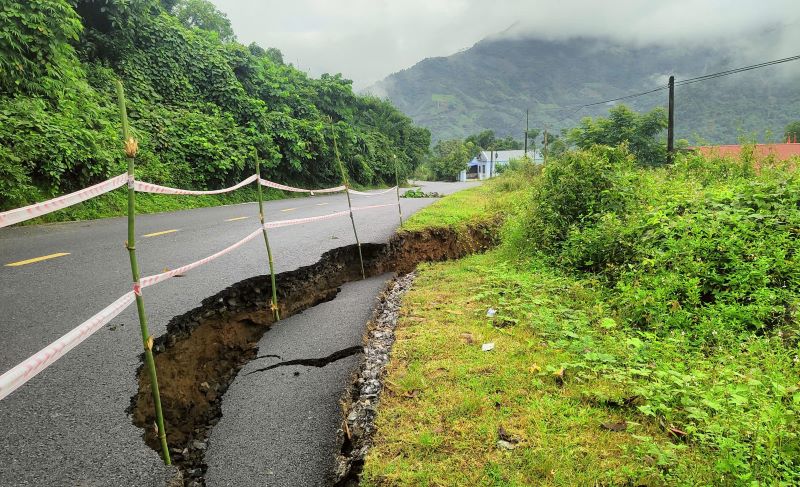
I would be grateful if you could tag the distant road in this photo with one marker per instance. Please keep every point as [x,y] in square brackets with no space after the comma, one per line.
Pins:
[68,425]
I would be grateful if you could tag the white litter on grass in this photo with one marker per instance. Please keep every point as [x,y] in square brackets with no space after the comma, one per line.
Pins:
[506,445]
[487,346]
[491,312]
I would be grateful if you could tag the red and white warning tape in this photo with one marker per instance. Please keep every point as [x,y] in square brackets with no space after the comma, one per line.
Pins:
[18,215]
[361,193]
[156,278]
[271,184]
[25,371]
[143,187]
[22,373]
[298,221]
[371,207]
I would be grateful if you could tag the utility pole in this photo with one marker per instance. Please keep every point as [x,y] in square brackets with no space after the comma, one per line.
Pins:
[526,132]
[544,154]
[671,122]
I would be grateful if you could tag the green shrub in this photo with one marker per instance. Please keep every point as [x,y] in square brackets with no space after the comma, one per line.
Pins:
[575,190]
[698,290]
[202,109]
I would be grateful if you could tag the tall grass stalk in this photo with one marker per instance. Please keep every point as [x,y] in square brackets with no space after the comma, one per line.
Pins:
[397,188]
[349,203]
[275,311]
[131,147]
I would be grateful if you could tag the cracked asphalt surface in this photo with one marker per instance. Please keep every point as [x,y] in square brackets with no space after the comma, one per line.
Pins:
[278,427]
[68,425]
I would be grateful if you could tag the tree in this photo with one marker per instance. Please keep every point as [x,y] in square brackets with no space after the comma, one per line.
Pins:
[639,131]
[482,140]
[556,144]
[792,132]
[532,134]
[487,140]
[275,55]
[451,157]
[202,14]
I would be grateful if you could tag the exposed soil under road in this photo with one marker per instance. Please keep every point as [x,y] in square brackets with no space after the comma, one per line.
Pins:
[204,349]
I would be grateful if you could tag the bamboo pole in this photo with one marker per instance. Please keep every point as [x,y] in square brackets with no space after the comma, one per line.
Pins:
[397,186]
[131,147]
[275,312]
[349,203]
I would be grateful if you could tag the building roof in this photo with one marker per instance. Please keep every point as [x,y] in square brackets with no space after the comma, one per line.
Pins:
[779,151]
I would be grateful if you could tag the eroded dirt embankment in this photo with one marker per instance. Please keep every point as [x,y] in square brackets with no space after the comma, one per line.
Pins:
[204,349]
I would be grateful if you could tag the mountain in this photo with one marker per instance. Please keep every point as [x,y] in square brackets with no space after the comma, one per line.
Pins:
[490,85]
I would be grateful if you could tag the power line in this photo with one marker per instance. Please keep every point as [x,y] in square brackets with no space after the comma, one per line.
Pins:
[736,70]
[677,83]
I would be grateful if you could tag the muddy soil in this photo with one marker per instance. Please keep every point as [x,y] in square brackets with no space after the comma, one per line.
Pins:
[203,350]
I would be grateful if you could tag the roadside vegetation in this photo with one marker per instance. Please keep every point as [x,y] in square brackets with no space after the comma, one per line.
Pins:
[204,107]
[644,322]
[449,157]
[483,202]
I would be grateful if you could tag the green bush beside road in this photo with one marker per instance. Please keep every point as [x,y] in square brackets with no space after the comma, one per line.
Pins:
[645,334]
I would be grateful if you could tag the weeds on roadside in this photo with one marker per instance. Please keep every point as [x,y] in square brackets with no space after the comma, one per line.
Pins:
[659,302]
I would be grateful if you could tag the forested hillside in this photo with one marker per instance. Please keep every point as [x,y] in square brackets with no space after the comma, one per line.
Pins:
[203,106]
[491,84]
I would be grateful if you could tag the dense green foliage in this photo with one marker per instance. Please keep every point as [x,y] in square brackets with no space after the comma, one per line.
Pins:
[792,131]
[487,140]
[449,158]
[204,15]
[203,109]
[646,330]
[492,84]
[624,126]
[697,263]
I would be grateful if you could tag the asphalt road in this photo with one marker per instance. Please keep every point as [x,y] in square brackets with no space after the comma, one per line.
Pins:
[278,426]
[68,425]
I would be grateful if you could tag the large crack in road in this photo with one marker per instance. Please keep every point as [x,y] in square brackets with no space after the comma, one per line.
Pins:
[315,362]
[204,349]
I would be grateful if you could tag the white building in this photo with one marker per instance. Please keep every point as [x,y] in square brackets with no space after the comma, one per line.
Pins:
[485,164]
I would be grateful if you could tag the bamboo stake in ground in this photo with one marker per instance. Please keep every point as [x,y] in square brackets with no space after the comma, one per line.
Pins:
[131,147]
[397,187]
[275,312]
[349,204]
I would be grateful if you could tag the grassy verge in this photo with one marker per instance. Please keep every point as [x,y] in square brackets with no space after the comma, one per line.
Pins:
[645,334]
[456,211]
[446,399]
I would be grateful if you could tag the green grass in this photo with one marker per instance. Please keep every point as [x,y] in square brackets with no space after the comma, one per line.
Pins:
[482,202]
[446,399]
[708,389]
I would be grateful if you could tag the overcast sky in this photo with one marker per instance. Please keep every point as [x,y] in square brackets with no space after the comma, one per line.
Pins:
[367,40]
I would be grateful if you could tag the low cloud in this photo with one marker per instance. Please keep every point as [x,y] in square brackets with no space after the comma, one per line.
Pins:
[366,40]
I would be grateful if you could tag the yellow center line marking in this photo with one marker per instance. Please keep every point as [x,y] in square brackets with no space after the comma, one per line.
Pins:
[156,234]
[289,209]
[321,204]
[237,218]
[37,259]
